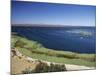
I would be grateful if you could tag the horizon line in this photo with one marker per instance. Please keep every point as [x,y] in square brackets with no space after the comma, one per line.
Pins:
[48,25]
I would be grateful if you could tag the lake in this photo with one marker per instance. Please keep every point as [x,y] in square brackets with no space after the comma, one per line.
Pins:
[75,39]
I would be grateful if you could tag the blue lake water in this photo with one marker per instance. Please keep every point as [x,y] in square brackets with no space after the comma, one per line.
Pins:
[75,39]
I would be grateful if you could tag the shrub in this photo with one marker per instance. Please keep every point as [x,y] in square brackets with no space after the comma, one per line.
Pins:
[57,67]
[41,67]
[19,43]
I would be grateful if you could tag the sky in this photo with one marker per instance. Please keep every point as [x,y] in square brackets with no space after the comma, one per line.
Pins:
[52,13]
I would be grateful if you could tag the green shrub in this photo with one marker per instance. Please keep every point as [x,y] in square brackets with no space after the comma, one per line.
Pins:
[19,43]
[57,67]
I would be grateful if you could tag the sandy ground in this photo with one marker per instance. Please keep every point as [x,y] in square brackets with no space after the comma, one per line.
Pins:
[20,64]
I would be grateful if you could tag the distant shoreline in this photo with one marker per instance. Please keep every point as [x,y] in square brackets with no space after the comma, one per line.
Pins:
[47,25]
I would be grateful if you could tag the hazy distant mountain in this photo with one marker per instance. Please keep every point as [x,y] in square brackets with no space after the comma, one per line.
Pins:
[48,25]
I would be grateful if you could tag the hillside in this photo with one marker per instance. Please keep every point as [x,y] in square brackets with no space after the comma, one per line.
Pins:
[28,55]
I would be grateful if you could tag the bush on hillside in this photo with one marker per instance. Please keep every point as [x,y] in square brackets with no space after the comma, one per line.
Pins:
[19,43]
[44,67]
